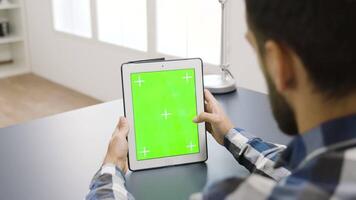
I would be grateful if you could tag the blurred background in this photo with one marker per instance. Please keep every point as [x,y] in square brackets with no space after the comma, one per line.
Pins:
[60,55]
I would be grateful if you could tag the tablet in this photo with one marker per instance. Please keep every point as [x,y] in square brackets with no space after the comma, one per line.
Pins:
[161,98]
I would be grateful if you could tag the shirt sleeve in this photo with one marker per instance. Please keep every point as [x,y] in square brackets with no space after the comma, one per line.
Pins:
[256,155]
[254,187]
[258,187]
[109,184]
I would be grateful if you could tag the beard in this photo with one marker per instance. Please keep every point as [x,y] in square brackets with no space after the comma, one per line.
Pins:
[282,111]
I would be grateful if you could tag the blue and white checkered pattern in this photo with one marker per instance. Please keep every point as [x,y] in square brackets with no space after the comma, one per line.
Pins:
[319,164]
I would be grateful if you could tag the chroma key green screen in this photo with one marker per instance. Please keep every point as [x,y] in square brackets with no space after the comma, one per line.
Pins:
[164,105]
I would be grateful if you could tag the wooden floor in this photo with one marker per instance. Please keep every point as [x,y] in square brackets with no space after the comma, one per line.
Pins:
[28,97]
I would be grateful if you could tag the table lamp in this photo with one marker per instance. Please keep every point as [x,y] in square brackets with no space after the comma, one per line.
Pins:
[224,82]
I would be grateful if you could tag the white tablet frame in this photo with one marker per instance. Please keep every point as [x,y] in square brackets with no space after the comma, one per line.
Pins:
[126,70]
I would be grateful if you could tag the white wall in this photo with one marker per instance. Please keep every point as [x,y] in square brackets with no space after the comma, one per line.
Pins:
[93,68]
[243,60]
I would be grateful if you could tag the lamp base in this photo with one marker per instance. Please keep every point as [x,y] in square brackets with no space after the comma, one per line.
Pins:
[217,84]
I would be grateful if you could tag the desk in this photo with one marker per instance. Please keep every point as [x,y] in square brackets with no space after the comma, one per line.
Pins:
[56,157]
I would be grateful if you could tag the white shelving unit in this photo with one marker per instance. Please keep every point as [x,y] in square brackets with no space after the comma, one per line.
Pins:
[13,48]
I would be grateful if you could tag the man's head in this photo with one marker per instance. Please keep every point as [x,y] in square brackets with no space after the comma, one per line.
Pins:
[306,47]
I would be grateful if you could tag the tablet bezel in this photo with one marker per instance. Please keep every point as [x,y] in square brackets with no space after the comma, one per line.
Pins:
[126,70]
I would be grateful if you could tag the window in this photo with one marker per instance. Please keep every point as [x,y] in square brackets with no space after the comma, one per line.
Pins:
[72,17]
[181,28]
[123,22]
[189,28]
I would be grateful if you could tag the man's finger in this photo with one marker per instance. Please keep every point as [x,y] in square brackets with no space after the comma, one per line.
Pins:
[205,117]
[208,107]
[123,126]
[208,127]
[209,97]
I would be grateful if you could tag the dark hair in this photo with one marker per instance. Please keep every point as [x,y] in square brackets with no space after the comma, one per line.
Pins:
[321,32]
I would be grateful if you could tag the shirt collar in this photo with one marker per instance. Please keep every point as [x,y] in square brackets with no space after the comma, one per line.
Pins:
[326,135]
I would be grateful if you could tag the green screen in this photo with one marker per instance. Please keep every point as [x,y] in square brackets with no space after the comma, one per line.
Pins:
[164,104]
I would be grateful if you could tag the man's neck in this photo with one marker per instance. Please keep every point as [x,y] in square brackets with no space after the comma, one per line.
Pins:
[313,112]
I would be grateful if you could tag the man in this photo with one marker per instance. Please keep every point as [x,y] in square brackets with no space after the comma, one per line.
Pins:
[307,50]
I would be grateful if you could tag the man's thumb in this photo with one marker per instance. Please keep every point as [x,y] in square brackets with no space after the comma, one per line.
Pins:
[204,117]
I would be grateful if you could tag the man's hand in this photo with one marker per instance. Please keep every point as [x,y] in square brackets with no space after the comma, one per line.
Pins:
[118,147]
[217,123]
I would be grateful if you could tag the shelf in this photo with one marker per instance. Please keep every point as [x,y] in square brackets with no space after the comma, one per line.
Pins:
[13,69]
[8,6]
[10,39]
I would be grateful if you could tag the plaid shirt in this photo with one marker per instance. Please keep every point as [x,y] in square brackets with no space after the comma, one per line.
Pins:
[319,164]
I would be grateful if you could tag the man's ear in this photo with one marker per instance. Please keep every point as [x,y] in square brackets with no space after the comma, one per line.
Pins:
[279,66]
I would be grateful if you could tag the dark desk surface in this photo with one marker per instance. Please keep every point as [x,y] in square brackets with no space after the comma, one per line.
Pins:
[56,157]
